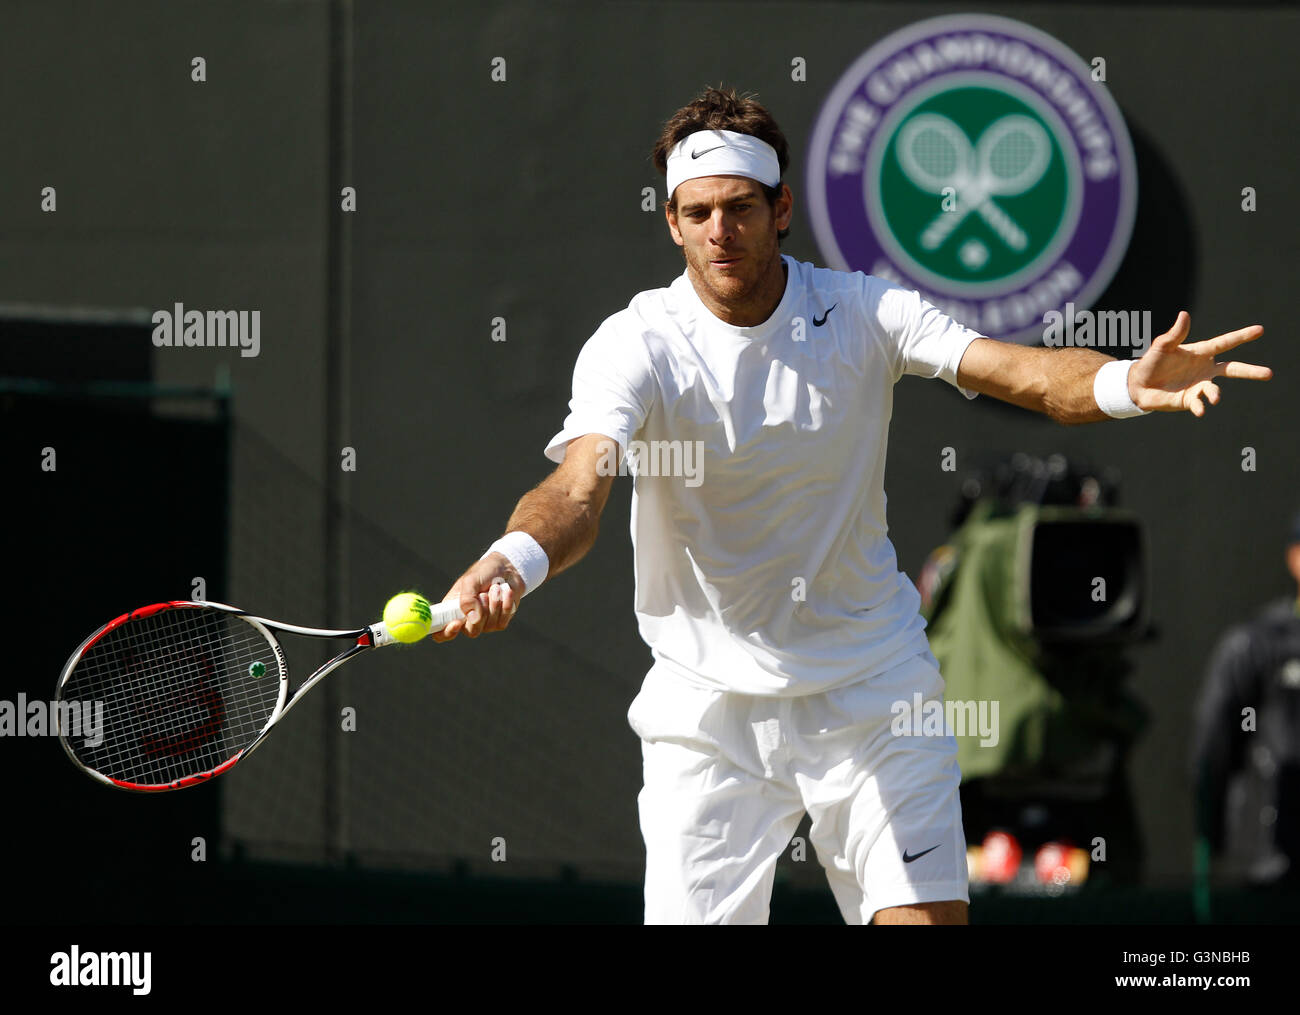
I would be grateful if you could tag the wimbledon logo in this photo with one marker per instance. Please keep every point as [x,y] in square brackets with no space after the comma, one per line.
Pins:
[974,158]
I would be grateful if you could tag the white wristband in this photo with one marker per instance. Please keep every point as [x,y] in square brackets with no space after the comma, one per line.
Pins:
[1110,389]
[525,555]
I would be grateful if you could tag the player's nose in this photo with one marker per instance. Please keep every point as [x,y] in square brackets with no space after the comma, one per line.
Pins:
[719,225]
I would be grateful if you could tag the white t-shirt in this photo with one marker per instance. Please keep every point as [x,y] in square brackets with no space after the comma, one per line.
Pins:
[764,565]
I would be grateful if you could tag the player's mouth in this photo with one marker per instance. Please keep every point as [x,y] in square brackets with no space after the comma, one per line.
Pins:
[724,262]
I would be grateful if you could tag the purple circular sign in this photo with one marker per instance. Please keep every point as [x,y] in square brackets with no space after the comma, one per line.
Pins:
[981,162]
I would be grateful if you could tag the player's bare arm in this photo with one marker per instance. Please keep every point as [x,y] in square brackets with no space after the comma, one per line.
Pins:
[1170,376]
[562,514]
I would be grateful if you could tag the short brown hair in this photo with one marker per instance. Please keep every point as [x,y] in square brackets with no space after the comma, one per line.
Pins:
[723,109]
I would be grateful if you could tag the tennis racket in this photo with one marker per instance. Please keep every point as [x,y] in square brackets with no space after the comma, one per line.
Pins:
[1009,159]
[187,689]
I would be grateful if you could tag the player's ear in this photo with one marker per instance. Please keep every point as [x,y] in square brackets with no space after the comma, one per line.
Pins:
[783,208]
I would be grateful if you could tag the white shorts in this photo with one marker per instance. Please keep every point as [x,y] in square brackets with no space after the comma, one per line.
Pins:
[729,776]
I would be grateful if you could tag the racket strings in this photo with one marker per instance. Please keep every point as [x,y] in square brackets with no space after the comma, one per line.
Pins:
[935,153]
[180,692]
[1013,155]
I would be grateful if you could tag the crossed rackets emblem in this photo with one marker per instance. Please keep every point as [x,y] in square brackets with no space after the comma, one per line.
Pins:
[1008,159]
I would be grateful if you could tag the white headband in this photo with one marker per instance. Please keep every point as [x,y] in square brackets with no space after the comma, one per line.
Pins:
[722,153]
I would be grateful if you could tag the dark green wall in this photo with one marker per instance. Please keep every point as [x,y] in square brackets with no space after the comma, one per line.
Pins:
[522,200]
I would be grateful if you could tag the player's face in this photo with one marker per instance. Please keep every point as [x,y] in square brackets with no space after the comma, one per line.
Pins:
[727,230]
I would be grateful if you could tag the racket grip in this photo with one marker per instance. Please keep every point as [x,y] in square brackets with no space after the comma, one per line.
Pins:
[442,614]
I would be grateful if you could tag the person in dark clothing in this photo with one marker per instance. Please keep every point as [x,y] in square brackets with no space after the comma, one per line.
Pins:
[1247,745]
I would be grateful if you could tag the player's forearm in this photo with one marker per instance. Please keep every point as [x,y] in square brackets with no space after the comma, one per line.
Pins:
[1060,383]
[563,520]
[1067,377]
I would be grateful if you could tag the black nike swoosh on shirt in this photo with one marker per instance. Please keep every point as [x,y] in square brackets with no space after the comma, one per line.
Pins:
[819,321]
[696,155]
[917,856]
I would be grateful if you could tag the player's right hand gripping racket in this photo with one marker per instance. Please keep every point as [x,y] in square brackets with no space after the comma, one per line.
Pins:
[188,689]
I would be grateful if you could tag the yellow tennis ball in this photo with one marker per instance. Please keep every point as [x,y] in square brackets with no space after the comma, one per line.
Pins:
[407,617]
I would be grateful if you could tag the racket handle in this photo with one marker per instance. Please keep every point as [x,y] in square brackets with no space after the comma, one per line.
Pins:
[443,614]
[440,615]
[1012,235]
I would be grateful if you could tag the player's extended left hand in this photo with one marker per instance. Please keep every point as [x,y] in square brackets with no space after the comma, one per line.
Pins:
[1171,377]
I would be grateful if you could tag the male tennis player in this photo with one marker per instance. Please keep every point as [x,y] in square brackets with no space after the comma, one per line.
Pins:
[781,628]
